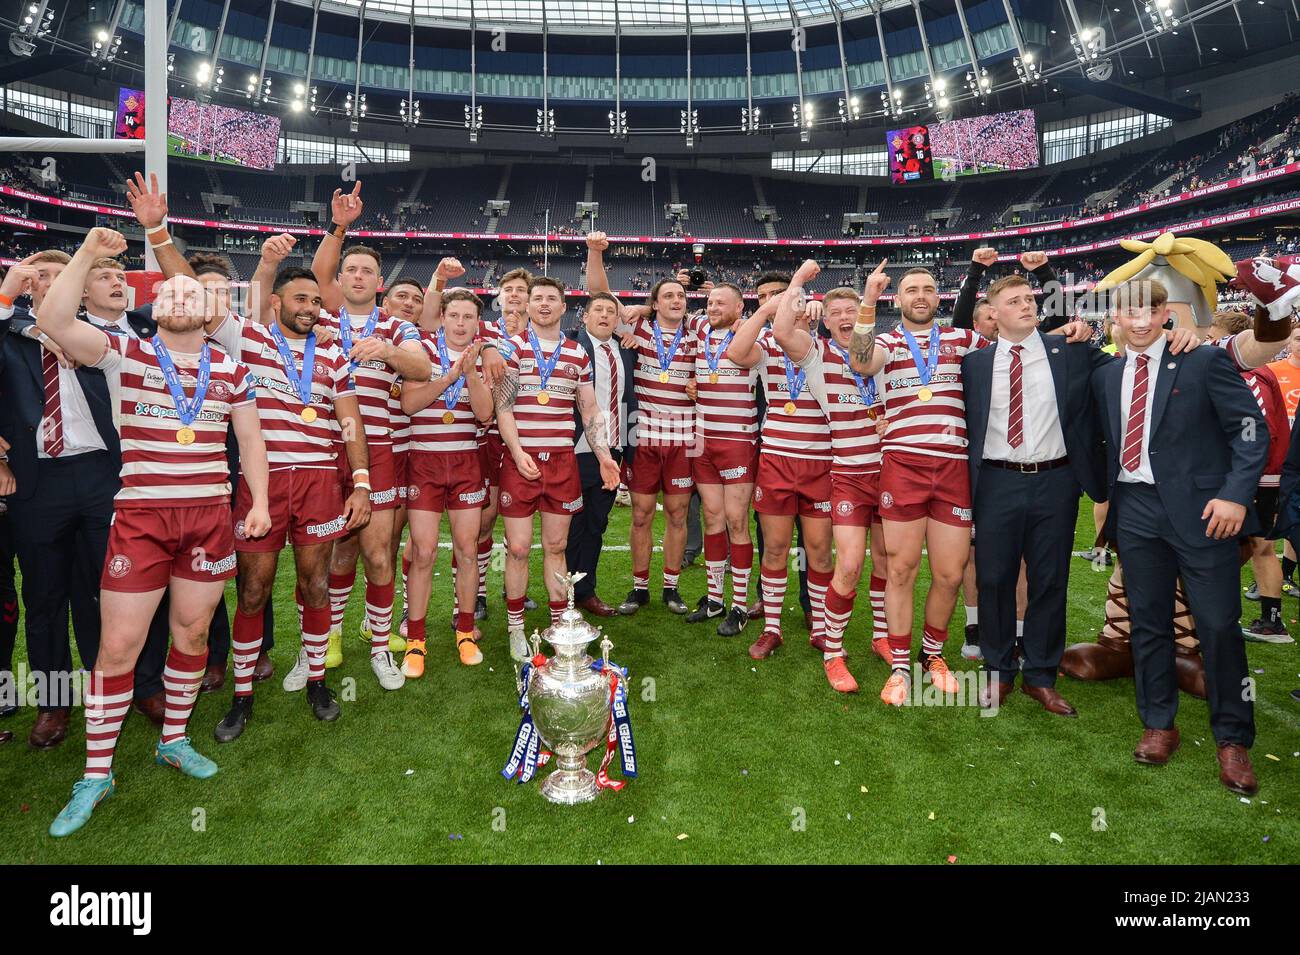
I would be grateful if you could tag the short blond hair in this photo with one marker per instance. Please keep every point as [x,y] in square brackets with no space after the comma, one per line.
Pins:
[841,292]
[106,262]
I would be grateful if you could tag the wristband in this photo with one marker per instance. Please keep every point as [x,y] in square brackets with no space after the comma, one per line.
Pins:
[159,245]
[365,471]
[439,284]
[6,301]
[361,486]
[337,230]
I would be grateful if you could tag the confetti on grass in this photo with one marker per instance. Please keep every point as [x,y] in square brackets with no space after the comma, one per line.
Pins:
[1272,757]
[409,772]
[951,859]
[1055,837]
[681,836]
[931,816]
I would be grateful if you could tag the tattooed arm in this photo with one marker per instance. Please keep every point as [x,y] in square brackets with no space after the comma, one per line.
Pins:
[504,395]
[596,427]
[865,355]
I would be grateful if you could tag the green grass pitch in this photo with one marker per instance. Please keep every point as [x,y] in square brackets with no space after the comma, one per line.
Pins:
[741,762]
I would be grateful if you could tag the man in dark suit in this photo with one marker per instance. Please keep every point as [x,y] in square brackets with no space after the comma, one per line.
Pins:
[612,375]
[66,457]
[1186,444]
[1033,447]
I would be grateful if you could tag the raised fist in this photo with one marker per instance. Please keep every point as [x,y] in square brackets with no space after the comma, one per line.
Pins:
[597,242]
[986,257]
[808,271]
[449,268]
[105,243]
[277,248]
[1032,260]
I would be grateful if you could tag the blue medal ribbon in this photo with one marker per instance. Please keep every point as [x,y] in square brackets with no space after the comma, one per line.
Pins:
[345,331]
[523,754]
[666,358]
[622,722]
[793,382]
[924,366]
[452,394]
[714,356]
[507,347]
[545,367]
[187,409]
[868,391]
[301,383]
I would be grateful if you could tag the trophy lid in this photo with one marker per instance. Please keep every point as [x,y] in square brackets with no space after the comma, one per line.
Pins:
[572,632]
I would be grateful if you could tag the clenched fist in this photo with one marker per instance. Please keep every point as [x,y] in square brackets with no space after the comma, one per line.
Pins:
[277,248]
[448,269]
[597,241]
[986,257]
[104,243]
[1029,261]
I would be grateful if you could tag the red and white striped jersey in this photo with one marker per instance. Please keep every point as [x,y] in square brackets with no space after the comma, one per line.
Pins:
[803,433]
[725,409]
[491,330]
[429,429]
[936,427]
[665,414]
[290,441]
[855,444]
[374,380]
[398,421]
[548,426]
[157,470]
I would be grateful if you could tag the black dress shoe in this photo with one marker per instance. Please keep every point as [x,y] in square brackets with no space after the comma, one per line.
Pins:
[529,603]
[236,718]
[635,600]
[706,609]
[263,669]
[673,600]
[735,622]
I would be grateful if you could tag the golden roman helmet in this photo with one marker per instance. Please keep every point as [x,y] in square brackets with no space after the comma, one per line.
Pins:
[1191,269]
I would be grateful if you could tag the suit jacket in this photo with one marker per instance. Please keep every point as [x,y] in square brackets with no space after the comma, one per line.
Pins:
[628,398]
[1072,366]
[1207,440]
[22,404]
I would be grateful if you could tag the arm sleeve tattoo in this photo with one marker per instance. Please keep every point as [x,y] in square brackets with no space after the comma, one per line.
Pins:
[506,390]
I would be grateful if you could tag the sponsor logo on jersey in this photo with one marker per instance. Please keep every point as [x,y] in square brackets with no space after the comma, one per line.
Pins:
[731,474]
[681,482]
[219,391]
[506,499]
[240,531]
[145,410]
[962,513]
[526,365]
[886,499]
[569,369]
[572,506]
[412,493]
[824,506]
[383,497]
[119,565]
[844,508]
[758,494]
[215,567]
[472,497]
[328,528]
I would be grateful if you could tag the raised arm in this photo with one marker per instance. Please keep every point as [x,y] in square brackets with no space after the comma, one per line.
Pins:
[274,251]
[150,208]
[1054,314]
[597,279]
[345,209]
[744,350]
[792,339]
[81,341]
[963,310]
[866,357]
[448,268]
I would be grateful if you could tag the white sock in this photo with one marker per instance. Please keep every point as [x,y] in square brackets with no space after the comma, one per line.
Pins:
[972,616]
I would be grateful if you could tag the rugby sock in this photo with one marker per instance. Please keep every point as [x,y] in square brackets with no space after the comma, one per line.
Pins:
[1288,568]
[1271,609]
[315,640]
[879,630]
[515,613]
[107,700]
[415,630]
[742,559]
[670,577]
[933,639]
[715,563]
[379,611]
[900,651]
[464,622]
[641,579]
[181,678]
[839,607]
[972,616]
[773,585]
[340,594]
[819,581]
[484,557]
[558,607]
[245,645]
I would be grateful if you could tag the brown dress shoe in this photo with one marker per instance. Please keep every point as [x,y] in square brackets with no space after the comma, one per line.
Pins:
[1156,746]
[214,677]
[1235,770]
[998,689]
[50,730]
[597,607]
[1052,701]
[153,707]
[263,670]
[762,648]
[807,620]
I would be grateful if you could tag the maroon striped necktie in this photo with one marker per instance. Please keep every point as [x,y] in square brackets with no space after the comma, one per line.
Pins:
[52,436]
[1016,413]
[1137,415]
[614,431]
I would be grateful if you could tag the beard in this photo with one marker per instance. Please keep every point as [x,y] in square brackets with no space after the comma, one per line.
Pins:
[300,324]
[179,324]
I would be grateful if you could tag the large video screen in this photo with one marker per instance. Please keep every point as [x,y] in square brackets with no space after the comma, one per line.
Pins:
[1000,142]
[221,134]
[910,157]
[128,121]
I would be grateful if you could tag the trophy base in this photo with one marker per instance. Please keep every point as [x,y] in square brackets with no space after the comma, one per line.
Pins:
[568,787]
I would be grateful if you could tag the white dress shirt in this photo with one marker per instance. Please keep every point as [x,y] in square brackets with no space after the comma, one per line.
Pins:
[601,378]
[80,435]
[1043,439]
[1156,352]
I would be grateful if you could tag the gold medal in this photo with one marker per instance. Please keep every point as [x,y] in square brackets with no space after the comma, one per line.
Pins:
[925,394]
[663,377]
[185,435]
[713,378]
[395,390]
[789,407]
[308,415]
[448,417]
[543,397]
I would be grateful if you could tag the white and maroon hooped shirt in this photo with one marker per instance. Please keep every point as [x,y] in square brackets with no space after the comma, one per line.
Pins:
[374,380]
[291,442]
[157,470]
[855,444]
[726,409]
[429,429]
[936,427]
[665,413]
[804,434]
[549,426]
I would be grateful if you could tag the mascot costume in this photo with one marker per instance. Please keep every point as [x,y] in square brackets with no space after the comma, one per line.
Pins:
[1192,270]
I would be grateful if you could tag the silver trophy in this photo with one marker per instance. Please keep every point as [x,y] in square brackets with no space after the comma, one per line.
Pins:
[570,702]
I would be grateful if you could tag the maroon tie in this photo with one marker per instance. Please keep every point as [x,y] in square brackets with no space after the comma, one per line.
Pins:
[52,438]
[613,395]
[1137,414]
[1016,414]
